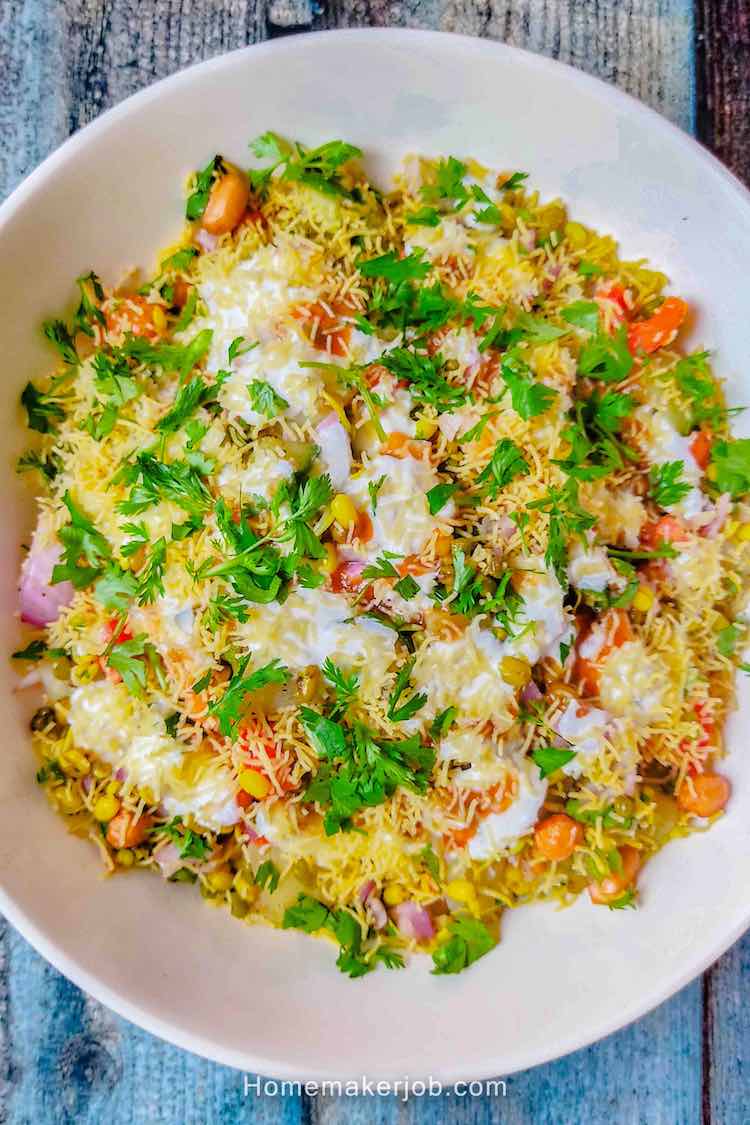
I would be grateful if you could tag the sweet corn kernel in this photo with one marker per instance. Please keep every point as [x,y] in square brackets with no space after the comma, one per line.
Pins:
[712,472]
[343,511]
[159,318]
[106,807]
[515,671]
[125,857]
[744,533]
[68,801]
[330,560]
[463,891]
[394,894]
[221,880]
[643,599]
[247,891]
[74,763]
[425,428]
[113,787]
[255,784]
[731,527]
[576,234]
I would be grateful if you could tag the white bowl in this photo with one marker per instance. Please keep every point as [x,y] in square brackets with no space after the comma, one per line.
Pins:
[108,199]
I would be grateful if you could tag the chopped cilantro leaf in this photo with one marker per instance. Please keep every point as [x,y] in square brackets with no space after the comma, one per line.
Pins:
[448,186]
[381,568]
[116,588]
[189,397]
[439,496]
[42,410]
[506,463]
[551,758]
[528,397]
[431,862]
[589,269]
[125,657]
[191,845]
[467,585]
[59,336]
[392,268]
[80,540]
[239,347]
[424,217]
[359,768]
[307,914]
[537,328]
[374,487]
[406,587]
[469,939]
[515,181]
[475,433]
[152,480]
[264,399]
[607,357]
[731,461]
[230,708]
[442,723]
[583,314]
[666,484]
[35,650]
[198,198]
[424,373]
[400,712]
[151,581]
[201,684]
[345,686]
[267,876]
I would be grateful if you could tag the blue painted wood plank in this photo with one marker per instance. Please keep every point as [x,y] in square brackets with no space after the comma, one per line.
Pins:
[66,1059]
[727,1038]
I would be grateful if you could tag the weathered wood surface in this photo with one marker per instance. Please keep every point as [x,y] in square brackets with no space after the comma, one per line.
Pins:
[64,1058]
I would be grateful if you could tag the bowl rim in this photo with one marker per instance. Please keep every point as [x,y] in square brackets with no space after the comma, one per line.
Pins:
[145,1018]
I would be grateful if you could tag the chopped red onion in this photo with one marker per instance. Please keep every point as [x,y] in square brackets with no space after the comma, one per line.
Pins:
[168,859]
[414,921]
[205,240]
[39,601]
[377,912]
[366,890]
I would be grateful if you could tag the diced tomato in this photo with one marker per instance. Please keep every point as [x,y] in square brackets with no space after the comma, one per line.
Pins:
[322,325]
[615,304]
[668,529]
[347,578]
[401,446]
[124,633]
[413,565]
[658,330]
[700,447]
[244,800]
[616,630]
[364,530]
[617,296]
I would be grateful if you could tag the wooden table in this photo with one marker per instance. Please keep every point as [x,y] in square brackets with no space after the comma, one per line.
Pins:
[64,1058]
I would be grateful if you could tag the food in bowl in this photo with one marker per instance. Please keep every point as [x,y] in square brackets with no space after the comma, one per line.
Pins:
[391,560]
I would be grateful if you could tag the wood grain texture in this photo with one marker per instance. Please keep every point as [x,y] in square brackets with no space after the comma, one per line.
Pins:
[64,1058]
[723,81]
[727,1038]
